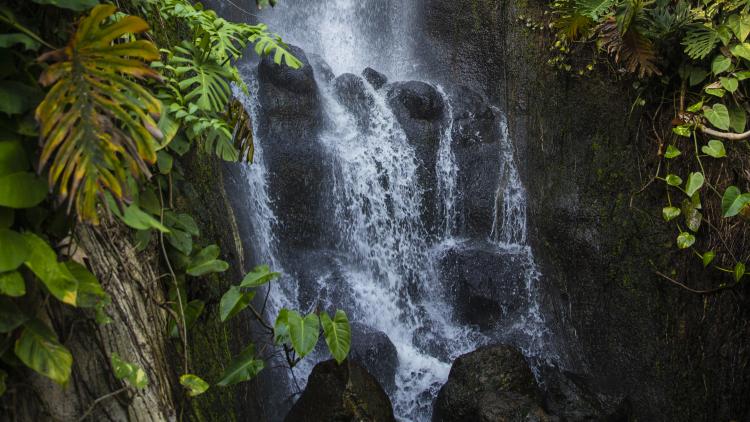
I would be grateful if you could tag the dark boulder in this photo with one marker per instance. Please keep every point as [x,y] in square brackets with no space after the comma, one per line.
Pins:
[473,118]
[485,284]
[375,78]
[321,68]
[420,111]
[287,128]
[352,93]
[375,351]
[341,393]
[490,384]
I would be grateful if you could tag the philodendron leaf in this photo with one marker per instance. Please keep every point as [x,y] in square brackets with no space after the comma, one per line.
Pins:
[733,201]
[708,257]
[670,213]
[673,180]
[128,371]
[90,292]
[234,301]
[694,183]
[12,284]
[672,152]
[243,367]
[259,276]
[682,130]
[205,262]
[42,261]
[13,250]
[303,332]
[714,149]
[338,334]
[720,64]
[38,348]
[739,271]
[718,115]
[22,190]
[685,240]
[281,328]
[194,384]
[730,84]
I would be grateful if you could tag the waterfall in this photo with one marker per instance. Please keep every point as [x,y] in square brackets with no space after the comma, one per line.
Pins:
[385,270]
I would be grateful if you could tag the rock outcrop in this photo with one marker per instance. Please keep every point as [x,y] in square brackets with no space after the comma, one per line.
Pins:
[342,393]
[491,384]
[373,349]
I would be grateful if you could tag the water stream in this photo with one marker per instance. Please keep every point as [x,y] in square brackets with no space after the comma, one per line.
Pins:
[386,262]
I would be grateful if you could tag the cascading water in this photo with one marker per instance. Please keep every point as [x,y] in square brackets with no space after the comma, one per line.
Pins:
[386,256]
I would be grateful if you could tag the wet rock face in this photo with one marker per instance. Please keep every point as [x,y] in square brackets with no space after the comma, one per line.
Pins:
[345,392]
[291,117]
[493,383]
[375,78]
[475,135]
[420,111]
[375,351]
[321,68]
[485,285]
[352,93]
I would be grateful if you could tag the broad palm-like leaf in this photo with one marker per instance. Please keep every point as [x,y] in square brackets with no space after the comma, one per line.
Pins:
[97,122]
[203,81]
[633,49]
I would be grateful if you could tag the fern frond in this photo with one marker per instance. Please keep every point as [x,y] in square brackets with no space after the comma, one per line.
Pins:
[700,41]
[97,122]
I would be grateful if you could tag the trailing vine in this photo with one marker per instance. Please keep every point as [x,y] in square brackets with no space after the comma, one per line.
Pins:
[699,52]
[117,116]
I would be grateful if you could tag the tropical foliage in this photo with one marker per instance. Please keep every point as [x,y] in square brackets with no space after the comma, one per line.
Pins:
[698,51]
[114,115]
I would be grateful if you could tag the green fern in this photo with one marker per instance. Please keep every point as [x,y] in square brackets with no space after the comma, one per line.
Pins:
[201,81]
[700,41]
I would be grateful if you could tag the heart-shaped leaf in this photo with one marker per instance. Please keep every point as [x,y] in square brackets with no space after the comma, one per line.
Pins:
[38,348]
[720,64]
[303,332]
[694,183]
[685,240]
[670,213]
[128,371]
[682,130]
[737,118]
[42,261]
[693,217]
[714,149]
[338,334]
[22,190]
[733,201]
[13,250]
[730,84]
[718,115]
[672,152]
[673,180]
[194,384]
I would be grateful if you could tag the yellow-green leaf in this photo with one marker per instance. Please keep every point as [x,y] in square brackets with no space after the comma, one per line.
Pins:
[39,349]
[194,384]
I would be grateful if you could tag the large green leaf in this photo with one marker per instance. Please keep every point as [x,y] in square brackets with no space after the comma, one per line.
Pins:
[718,115]
[22,190]
[11,316]
[205,262]
[12,158]
[733,201]
[741,50]
[303,332]
[234,301]
[13,250]
[700,41]
[203,81]
[38,348]
[42,261]
[11,40]
[739,23]
[132,373]
[17,98]
[194,384]
[180,240]
[259,276]
[338,334]
[737,118]
[243,367]
[694,183]
[720,64]
[12,284]
[133,216]
[77,5]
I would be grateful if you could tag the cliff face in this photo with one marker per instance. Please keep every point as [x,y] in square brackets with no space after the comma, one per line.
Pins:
[656,351]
